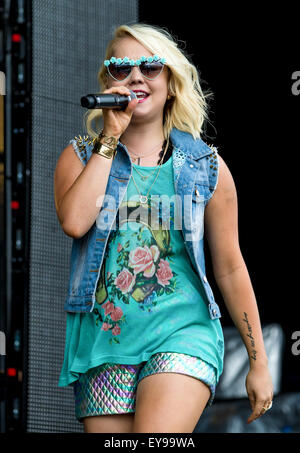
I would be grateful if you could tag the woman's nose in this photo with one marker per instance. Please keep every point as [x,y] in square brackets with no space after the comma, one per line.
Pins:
[135,74]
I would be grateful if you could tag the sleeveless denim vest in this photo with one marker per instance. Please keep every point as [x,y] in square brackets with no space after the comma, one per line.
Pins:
[196,170]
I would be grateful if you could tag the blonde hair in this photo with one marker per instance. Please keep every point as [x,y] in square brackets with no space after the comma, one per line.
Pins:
[187,108]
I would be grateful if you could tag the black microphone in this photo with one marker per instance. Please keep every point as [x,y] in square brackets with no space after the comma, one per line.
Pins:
[107,101]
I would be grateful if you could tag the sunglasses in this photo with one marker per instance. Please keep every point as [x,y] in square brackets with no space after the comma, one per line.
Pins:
[120,68]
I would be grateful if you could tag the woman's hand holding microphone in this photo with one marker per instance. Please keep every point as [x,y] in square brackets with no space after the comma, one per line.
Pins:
[115,122]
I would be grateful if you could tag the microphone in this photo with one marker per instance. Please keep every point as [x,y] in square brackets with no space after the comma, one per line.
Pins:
[107,101]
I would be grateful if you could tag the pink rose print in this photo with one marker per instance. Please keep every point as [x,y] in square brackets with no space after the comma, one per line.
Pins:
[125,281]
[119,248]
[108,307]
[164,273]
[106,326]
[116,330]
[116,314]
[141,259]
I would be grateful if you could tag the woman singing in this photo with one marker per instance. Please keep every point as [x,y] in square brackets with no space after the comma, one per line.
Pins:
[144,344]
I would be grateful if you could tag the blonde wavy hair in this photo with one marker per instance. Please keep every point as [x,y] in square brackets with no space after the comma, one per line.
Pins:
[187,108]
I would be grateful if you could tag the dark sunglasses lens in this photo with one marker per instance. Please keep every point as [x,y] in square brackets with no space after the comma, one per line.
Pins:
[119,72]
[151,70]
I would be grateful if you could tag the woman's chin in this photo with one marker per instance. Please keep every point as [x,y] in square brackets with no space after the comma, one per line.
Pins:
[141,111]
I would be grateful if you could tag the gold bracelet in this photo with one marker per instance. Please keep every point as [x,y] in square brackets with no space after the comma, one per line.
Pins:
[103,150]
[109,141]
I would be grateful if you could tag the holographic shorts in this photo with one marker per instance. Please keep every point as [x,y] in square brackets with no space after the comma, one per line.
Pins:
[111,388]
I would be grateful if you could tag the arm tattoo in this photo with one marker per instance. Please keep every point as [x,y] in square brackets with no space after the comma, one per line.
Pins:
[253,352]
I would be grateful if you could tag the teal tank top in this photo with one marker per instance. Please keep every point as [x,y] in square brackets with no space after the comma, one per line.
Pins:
[149,298]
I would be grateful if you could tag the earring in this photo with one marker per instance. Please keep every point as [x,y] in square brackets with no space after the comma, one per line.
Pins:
[169,96]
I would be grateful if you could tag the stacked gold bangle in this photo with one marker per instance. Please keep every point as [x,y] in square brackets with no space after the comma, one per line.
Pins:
[105,146]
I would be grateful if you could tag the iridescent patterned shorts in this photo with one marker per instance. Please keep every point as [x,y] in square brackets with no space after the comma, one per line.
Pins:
[111,388]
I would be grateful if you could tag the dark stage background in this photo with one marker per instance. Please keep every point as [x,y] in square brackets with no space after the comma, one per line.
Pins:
[247,56]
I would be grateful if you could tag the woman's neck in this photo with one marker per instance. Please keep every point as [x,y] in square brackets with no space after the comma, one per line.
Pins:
[142,139]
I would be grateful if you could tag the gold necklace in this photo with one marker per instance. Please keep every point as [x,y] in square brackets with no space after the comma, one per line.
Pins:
[145,177]
[145,155]
[144,198]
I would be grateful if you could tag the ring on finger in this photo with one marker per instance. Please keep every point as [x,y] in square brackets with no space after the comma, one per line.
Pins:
[268,407]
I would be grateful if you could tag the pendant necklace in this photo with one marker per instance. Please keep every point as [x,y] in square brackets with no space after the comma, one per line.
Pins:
[144,198]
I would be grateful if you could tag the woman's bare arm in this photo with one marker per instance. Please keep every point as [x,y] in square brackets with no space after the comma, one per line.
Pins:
[77,190]
[231,274]
[230,271]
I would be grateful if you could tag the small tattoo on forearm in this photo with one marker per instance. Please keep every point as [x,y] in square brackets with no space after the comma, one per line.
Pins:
[253,352]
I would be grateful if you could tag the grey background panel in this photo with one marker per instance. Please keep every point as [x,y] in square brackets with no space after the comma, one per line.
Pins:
[68,43]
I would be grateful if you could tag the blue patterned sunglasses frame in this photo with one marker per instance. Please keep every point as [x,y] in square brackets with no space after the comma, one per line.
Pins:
[120,68]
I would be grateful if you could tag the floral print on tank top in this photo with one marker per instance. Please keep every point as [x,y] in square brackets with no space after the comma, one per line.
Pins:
[140,258]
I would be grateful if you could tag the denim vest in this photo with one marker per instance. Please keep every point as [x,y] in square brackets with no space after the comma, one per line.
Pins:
[196,168]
